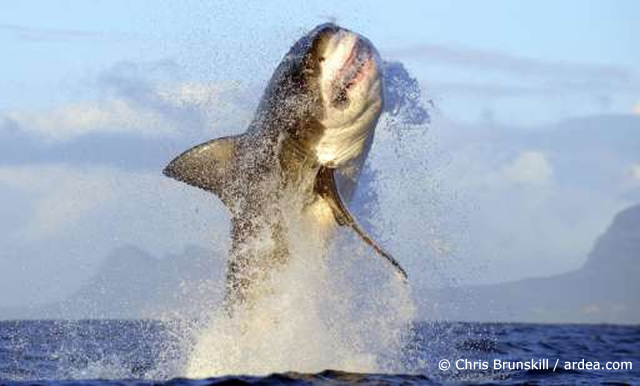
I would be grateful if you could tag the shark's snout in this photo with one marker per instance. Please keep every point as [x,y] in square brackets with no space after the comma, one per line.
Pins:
[347,59]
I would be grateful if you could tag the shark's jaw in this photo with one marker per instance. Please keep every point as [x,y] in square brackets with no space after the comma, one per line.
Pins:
[351,89]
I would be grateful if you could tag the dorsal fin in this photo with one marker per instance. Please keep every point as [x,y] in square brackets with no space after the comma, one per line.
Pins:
[207,166]
[326,187]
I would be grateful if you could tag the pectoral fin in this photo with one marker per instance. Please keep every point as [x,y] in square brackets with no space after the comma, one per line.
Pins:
[326,187]
[207,166]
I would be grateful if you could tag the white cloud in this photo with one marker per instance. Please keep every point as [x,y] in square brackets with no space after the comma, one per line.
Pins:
[106,204]
[636,109]
[64,196]
[110,115]
[531,167]
[634,171]
[49,34]
[160,111]
[191,93]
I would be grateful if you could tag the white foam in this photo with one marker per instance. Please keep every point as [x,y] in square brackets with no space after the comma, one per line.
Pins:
[314,314]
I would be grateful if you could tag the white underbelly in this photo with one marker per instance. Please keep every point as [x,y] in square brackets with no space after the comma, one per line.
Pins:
[339,145]
[317,223]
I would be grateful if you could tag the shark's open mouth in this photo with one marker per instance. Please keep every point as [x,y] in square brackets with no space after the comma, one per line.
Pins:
[358,64]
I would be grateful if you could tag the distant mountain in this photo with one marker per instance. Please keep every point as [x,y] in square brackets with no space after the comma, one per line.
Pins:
[605,290]
[134,284]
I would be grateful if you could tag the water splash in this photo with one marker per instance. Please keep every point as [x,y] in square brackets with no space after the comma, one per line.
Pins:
[340,310]
[317,312]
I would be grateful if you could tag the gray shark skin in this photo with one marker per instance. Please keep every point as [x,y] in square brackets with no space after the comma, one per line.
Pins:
[307,143]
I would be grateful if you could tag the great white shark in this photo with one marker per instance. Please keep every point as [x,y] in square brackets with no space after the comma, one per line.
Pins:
[307,142]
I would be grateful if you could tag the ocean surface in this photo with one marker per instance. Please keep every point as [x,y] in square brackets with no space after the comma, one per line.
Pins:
[149,352]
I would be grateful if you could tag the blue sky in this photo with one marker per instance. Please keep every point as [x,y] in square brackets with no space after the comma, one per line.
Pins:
[55,46]
[96,96]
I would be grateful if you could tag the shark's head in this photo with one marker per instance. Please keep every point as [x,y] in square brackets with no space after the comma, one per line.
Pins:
[349,68]
[332,76]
